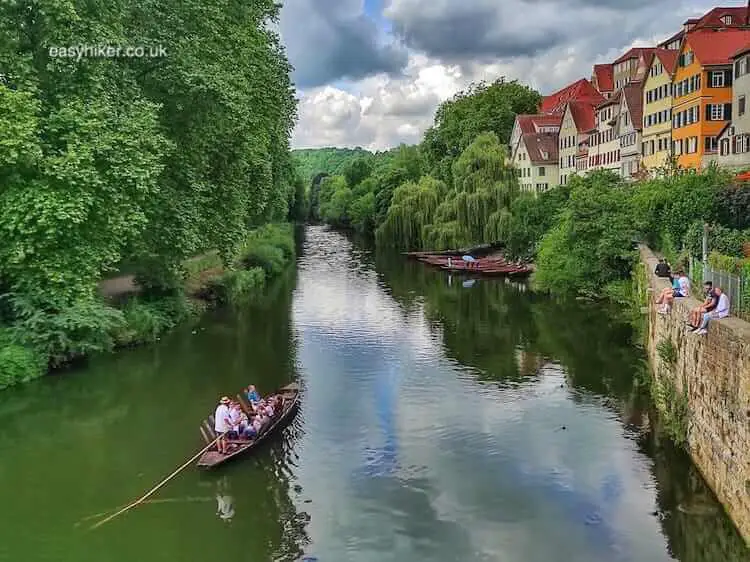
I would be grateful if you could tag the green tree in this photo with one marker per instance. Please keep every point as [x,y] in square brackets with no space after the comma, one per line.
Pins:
[482,108]
[593,242]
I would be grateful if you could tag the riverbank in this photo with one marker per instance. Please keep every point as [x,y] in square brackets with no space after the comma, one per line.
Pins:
[127,315]
[702,388]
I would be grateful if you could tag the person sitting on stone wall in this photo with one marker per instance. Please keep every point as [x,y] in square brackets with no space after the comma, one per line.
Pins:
[680,289]
[709,304]
[663,269]
[721,311]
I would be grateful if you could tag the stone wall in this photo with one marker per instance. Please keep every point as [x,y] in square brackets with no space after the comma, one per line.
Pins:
[714,373]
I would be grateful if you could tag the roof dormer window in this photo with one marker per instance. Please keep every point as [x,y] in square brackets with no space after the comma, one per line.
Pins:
[726,20]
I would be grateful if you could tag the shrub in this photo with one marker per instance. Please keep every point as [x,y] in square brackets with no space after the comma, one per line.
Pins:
[66,332]
[270,247]
[147,320]
[238,285]
[19,364]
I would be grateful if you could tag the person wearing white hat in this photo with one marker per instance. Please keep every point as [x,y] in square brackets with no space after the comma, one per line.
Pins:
[222,424]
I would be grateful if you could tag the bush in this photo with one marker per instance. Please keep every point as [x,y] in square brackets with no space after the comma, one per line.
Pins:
[67,332]
[143,323]
[270,247]
[19,364]
[238,286]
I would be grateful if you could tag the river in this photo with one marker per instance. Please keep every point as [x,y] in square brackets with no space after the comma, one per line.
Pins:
[442,420]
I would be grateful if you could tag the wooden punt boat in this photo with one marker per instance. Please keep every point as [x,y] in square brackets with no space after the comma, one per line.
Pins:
[212,458]
[492,265]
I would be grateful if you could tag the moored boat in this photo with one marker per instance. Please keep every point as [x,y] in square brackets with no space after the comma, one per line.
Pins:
[490,265]
[213,458]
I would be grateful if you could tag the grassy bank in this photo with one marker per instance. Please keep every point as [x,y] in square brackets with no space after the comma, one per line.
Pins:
[39,343]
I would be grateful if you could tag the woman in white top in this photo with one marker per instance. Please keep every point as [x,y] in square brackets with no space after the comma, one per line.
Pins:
[679,289]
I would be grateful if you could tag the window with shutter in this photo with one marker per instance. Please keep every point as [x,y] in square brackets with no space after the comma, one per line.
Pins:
[717,79]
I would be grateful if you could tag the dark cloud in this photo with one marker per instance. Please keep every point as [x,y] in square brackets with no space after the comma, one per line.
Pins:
[330,40]
[482,30]
[470,31]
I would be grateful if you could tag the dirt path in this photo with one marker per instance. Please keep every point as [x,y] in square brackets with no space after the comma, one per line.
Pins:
[118,286]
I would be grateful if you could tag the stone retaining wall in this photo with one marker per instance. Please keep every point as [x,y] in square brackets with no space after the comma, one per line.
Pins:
[714,372]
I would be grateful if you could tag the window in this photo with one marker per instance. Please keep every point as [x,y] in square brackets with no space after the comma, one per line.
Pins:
[741,105]
[726,20]
[541,170]
[715,112]
[711,144]
[717,79]
[692,145]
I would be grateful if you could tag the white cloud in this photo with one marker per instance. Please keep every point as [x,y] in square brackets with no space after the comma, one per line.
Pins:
[383,109]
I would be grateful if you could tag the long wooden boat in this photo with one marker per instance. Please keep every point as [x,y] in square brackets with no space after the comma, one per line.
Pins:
[491,265]
[213,458]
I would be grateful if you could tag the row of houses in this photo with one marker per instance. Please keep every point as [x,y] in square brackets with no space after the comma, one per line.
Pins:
[683,100]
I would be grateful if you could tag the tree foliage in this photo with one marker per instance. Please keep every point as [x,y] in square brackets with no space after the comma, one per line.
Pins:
[480,109]
[475,210]
[146,159]
[592,243]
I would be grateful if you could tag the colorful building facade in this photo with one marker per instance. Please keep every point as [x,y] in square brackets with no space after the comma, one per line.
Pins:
[656,143]
[702,94]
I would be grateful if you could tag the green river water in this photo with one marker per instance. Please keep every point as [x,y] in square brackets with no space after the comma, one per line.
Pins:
[442,420]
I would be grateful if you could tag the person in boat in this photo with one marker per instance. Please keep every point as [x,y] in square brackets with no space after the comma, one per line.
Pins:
[259,420]
[252,395]
[470,261]
[238,419]
[222,424]
[269,408]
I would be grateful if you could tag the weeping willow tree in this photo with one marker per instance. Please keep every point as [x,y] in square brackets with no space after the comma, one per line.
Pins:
[474,211]
[413,208]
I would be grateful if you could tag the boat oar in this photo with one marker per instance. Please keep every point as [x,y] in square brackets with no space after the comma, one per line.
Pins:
[153,490]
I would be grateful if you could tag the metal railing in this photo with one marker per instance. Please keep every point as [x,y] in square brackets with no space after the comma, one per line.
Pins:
[734,286]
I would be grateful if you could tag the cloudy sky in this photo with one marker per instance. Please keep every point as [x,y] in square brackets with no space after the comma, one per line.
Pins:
[371,72]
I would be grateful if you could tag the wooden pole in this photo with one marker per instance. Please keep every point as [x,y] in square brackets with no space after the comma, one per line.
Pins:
[155,488]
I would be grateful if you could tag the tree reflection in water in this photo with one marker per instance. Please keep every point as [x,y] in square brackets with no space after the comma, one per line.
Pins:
[506,333]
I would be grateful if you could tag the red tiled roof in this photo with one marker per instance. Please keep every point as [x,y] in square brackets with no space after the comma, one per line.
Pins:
[529,123]
[635,52]
[577,91]
[537,142]
[583,114]
[741,51]
[612,99]
[712,18]
[668,58]
[717,47]
[674,37]
[604,76]
[633,93]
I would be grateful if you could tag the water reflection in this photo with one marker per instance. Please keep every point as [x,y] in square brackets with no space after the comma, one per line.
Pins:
[438,422]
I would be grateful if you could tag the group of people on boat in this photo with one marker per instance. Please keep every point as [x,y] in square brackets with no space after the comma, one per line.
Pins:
[232,422]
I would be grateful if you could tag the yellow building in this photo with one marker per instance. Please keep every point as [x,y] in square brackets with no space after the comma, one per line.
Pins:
[656,141]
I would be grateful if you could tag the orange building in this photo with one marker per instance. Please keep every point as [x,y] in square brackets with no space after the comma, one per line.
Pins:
[702,93]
